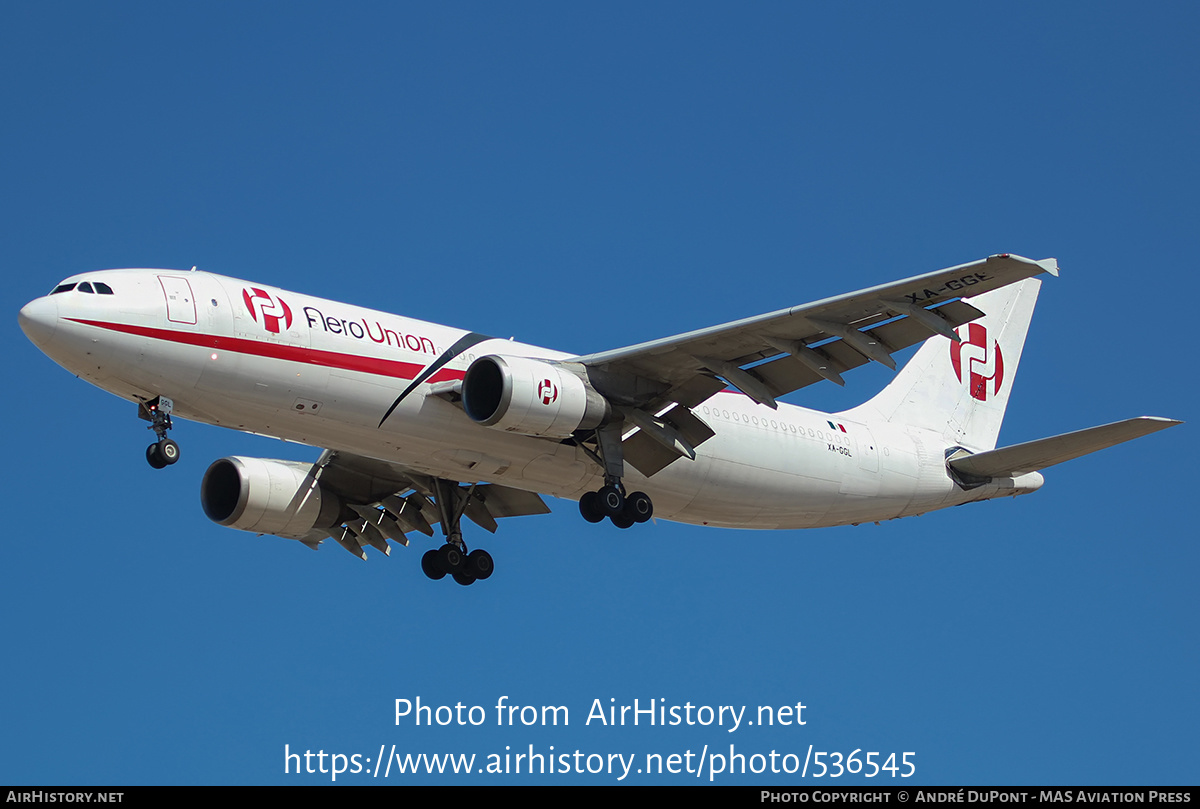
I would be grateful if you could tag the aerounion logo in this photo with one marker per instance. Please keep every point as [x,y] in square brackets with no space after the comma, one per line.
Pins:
[984,363]
[272,312]
[547,392]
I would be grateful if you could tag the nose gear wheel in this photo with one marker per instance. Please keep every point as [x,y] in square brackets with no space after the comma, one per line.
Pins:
[157,411]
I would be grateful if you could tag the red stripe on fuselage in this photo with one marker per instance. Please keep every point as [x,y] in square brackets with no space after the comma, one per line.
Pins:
[276,351]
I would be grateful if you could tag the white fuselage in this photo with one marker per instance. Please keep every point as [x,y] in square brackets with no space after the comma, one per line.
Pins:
[318,372]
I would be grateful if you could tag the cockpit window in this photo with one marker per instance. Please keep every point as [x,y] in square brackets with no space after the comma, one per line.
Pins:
[86,286]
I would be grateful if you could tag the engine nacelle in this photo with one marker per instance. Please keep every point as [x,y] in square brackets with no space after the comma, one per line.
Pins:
[530,397]
[267,497]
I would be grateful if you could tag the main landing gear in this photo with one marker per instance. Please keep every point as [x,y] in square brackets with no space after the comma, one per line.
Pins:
[452,559]
[464,568]
[611,500]
[157,411]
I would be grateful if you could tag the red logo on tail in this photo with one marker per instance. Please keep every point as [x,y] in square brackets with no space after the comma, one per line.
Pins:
[275,313]
[983,365]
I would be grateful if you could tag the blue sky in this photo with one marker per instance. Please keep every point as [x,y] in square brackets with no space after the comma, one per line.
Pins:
[586,178]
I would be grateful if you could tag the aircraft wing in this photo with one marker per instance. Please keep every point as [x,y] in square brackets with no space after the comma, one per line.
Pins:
[809,342]
[382,500]
[1034,455]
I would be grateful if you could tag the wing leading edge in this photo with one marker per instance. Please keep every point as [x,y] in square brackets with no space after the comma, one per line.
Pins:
[656,383]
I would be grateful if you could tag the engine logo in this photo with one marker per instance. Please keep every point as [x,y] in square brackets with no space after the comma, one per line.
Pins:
[276,315]
[983,365]
[547,391]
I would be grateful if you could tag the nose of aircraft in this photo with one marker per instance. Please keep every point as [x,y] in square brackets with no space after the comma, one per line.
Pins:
[39,319]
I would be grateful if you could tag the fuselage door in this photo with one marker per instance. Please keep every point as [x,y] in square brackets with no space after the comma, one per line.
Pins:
[181,303]
[861,479]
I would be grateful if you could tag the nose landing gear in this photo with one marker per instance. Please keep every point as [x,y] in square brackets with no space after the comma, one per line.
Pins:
[162,453]
[157,411]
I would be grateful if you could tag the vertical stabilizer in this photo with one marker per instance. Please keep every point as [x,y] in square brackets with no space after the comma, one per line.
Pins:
[960,390]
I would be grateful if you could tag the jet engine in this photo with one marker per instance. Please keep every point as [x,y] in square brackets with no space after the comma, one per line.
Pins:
[530,397]
[267,496]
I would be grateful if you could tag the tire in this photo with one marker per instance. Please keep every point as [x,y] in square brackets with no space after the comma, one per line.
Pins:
[479,564]
[431,566]
[622,520]
[168,450]
[589,507]
[612,502]
[464,579]
[154,457]
[639,506]
[450,558]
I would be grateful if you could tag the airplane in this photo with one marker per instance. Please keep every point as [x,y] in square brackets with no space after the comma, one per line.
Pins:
[423,424]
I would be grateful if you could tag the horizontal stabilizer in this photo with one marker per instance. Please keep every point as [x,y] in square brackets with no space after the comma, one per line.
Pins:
[1034,455]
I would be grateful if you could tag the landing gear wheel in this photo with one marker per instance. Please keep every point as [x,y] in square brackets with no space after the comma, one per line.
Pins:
[430,565]
[450,559]
[168,450]
[154,457]
[451,499]
[638,506]
[622,520]
[157,411]
[589,507]
[479,564]
[612,502]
